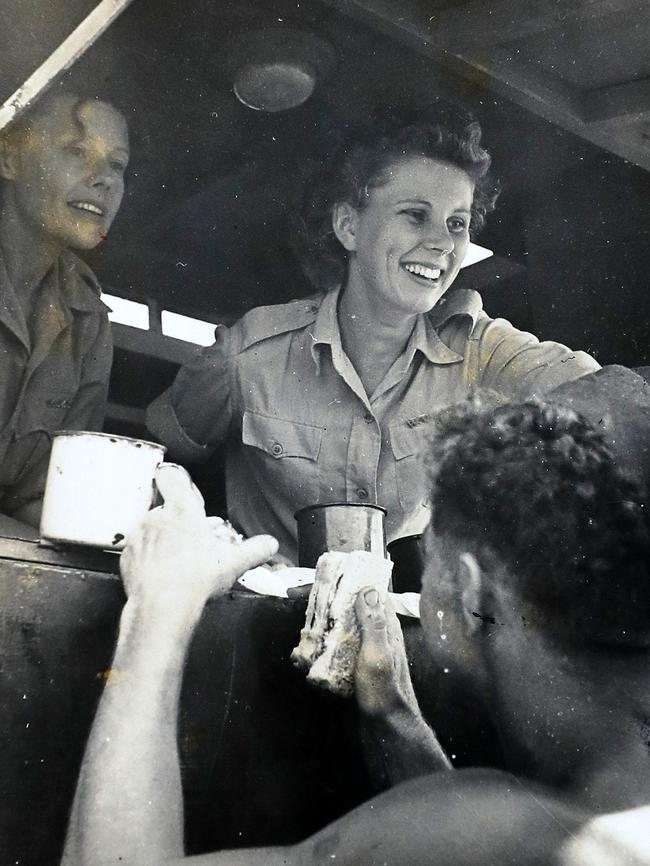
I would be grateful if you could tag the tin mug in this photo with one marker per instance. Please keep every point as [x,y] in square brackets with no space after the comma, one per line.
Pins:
[98,488]
[342,526]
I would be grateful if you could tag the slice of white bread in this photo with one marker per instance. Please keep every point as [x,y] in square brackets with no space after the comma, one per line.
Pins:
[330,640]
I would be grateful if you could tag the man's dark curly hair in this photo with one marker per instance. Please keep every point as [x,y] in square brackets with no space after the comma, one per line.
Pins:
[441,131]
[536,485]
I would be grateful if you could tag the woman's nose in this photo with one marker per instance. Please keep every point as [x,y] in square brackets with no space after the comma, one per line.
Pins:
[102,175]
[440,242]
[101,179]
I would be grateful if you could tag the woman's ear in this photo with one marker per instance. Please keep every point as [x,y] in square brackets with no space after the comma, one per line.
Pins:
[344,223]
[470,579]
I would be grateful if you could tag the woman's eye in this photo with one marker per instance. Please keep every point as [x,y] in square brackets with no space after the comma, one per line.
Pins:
[76,150]
[118,166]
[418,217]
[456,224]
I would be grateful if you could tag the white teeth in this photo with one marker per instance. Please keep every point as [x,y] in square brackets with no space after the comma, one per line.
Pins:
[422,271]
[85,205]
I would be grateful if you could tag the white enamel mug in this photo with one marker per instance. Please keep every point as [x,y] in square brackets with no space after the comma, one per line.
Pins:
[98,488]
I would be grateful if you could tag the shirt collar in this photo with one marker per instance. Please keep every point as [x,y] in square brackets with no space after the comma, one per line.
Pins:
[425,337]
[79,287]
[68,286]
[70,279]
[325,331]
[456,302]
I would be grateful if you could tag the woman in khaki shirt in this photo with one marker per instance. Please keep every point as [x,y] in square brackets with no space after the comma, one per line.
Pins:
[61,184]
[331,399]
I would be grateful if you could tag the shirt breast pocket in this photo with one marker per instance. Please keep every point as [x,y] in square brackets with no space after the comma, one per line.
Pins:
[48,412]
[286,453]
[408,439]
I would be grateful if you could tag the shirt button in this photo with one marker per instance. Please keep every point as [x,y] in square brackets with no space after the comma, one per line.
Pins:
[368,418]
[362,493]
[276,449]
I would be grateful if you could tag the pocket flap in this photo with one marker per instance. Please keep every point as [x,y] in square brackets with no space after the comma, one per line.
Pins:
[408,435]
[281,438]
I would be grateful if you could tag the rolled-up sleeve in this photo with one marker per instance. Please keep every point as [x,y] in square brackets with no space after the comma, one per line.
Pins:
[193,416]
[517,364]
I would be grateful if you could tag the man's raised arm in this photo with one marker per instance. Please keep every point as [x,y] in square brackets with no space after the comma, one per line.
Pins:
[128,807]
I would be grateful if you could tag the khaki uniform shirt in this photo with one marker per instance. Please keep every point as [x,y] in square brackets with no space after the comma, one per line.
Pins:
[59,382]
[278,388]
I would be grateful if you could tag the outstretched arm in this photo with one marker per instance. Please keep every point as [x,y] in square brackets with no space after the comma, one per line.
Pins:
[128,806]
[399,743]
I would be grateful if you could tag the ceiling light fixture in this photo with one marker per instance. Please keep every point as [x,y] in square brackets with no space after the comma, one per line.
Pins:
[277,69]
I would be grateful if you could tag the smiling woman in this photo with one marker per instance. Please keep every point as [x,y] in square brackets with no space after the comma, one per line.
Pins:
[61,185]
[331,399]
[406,245]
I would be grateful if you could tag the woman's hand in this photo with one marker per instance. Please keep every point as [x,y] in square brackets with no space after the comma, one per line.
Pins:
[177,558]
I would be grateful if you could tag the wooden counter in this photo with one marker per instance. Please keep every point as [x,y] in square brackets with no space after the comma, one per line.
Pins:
[274,758]
[271,756]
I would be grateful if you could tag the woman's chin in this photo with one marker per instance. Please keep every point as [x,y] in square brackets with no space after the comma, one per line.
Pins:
[85,240]
[440,294]
[426,301]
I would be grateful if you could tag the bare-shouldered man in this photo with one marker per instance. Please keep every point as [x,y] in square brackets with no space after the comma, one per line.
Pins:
[538,558]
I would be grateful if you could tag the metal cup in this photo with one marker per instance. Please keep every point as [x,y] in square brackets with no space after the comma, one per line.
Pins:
[342,526]
[99,487]
[408,563]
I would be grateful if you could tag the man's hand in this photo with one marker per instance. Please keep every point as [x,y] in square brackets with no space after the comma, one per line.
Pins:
[403,742]
[177,558]
[382,679]
[129,802]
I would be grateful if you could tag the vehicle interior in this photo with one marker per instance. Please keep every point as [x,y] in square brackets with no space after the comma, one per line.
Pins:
[562,92]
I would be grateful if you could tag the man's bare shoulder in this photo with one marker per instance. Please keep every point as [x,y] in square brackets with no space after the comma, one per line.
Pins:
[469,816]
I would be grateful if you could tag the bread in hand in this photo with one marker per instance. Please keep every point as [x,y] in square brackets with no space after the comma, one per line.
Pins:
[331,637]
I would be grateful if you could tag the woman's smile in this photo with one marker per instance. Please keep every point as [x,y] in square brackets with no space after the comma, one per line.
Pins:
[407,244]
[423,272]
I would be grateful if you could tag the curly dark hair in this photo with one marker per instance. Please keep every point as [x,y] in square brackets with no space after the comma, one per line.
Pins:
[441,131]
[537,486]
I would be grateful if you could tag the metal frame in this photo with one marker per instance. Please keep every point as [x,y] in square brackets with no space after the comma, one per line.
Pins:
[62,58]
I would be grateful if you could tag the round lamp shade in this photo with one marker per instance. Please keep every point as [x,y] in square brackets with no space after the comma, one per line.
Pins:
[274,85]
[278,68]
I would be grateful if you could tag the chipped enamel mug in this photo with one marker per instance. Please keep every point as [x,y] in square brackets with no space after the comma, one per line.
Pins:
[98,488]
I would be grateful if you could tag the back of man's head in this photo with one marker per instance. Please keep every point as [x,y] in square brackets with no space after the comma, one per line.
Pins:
[536,486]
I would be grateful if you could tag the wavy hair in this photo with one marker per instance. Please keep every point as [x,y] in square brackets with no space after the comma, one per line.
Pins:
[19,130]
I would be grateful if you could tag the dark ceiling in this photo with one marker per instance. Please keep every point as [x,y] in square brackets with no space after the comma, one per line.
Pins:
[203,226]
